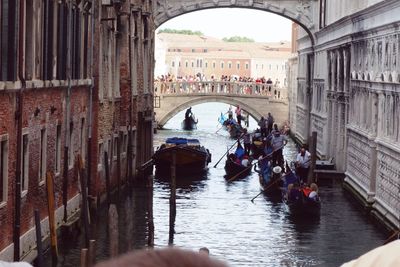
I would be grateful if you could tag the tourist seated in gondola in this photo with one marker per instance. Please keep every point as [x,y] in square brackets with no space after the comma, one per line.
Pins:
[311,192]
[294,193]
[245,161]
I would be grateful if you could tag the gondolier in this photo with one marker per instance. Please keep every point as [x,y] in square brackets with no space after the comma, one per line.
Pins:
[278,142]
[303,161]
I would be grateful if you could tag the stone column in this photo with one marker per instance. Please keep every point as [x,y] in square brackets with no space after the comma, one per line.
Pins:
[381,114]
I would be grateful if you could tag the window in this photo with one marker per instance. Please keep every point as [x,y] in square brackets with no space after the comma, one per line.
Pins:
[173,64]
[238,65]
[247,66]
[205,50]
[197,63]
[179,64]
[201,63]
[206,64]
[3,168]
[30,40]
[270,66]
[62,41]
[262,66]
[192,64]
[58,149]
[229,65]
[8,47]
[193,50]
[213,64]
[42,156]
[47,41]
[222,64]
[25,163]
[186,64]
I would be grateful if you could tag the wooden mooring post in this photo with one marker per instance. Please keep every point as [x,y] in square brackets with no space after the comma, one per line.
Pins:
[172,201]
[51,211]
[108,186]
[313,151]
[150,218]
[39,246]
[85,203]
[84,257]
[113,230]
[92,252]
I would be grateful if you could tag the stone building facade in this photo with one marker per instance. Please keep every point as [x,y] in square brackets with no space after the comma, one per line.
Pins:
[76,79]
[352,101]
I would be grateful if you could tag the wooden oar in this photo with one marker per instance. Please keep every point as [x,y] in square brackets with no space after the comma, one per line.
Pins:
[226,153]
[251,165]
[280,179]
[390,239]
[219,129]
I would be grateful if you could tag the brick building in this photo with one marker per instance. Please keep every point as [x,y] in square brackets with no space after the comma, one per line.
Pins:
[75,79]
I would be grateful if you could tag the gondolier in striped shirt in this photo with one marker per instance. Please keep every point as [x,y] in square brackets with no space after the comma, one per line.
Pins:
[278,142]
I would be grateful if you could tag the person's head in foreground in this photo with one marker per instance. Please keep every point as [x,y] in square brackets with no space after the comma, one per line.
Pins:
[169,257]
[204,250]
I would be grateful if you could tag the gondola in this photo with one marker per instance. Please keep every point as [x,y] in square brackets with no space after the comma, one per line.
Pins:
[232,165]
[297,202]
[270,178]
[189,123]
[191,157]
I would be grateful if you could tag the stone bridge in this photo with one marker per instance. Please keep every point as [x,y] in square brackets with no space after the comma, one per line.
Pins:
[255,99]
[302,12]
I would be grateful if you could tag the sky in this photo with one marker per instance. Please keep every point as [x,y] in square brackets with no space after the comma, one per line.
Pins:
[258,25]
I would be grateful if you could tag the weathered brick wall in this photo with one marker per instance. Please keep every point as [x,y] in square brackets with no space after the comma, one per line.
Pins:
[45,100]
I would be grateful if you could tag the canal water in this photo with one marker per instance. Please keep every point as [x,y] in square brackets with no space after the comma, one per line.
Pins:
[219,215]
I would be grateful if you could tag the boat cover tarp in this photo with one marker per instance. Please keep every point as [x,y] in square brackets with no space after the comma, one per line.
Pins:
[182,141]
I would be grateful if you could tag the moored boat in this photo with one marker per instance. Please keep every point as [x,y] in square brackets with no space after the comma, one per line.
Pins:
[190,156]
[300,200]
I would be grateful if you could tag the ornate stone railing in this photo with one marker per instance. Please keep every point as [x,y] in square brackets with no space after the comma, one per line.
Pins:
[220,88]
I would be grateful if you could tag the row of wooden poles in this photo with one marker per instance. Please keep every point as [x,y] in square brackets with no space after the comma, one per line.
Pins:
[88,252]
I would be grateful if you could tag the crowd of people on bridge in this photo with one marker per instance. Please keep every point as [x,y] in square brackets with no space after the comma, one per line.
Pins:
[232,84]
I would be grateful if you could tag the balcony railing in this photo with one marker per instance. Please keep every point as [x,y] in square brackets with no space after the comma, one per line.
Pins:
[220,88]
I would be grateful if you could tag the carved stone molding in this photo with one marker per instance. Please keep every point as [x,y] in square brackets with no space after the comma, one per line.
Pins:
[299,11]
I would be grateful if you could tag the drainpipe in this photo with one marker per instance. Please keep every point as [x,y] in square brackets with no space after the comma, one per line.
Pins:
[67,111]
[91,59]
[130,152]
[17,220]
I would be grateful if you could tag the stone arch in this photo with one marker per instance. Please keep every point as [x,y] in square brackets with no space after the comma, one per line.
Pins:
[207,99]
[298,11]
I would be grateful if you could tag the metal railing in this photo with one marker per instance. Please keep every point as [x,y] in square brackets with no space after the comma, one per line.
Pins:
[220,88]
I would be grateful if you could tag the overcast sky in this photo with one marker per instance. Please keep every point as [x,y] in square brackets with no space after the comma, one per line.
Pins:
[226,22]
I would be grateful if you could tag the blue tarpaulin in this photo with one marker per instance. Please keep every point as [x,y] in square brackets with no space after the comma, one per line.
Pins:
[181,141]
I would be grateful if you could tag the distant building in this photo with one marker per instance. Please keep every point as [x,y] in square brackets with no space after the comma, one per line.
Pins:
[189,55]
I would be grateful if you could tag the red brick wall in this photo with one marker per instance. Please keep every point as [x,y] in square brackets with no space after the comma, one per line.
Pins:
[36,196]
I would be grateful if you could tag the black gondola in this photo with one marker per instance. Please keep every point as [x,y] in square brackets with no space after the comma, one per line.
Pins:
[297,201]
[189,123]
[191,157]
[232,167]
[270,178]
